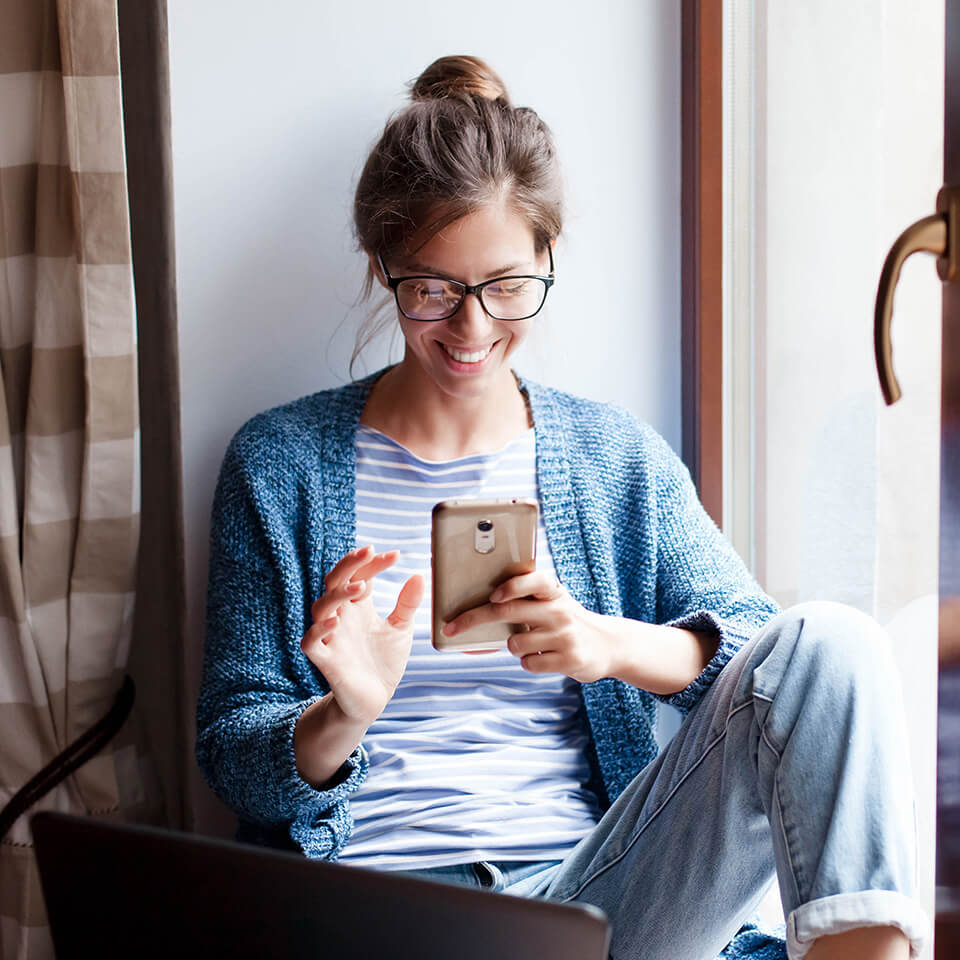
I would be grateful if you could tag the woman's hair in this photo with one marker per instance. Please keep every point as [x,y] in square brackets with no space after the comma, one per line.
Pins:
[459,146]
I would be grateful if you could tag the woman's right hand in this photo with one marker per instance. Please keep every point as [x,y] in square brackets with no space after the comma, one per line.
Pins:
[361,655]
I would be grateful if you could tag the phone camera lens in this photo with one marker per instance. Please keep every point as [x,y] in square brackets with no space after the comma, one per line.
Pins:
[484,526]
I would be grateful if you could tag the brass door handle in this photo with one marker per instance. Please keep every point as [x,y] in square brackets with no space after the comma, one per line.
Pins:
[934,234]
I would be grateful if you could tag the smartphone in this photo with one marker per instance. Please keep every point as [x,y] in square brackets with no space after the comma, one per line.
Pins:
[476,546]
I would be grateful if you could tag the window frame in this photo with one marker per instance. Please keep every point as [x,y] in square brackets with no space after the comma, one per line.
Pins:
[702,248]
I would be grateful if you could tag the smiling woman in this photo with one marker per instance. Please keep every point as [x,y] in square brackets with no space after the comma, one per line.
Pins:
[461,356]
[429,169]
[326,718]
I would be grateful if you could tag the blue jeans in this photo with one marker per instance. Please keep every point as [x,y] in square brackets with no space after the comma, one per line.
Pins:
[794,763]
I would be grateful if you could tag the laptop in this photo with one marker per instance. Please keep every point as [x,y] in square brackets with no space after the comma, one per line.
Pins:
[115,890]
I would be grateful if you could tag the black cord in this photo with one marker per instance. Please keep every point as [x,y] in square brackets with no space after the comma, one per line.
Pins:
[87,745]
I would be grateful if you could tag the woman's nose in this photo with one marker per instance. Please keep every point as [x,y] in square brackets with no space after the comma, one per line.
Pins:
[471,320]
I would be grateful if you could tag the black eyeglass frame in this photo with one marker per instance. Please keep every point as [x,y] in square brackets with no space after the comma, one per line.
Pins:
[394,282]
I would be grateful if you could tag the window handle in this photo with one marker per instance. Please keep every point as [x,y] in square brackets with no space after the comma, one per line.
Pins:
[935,234]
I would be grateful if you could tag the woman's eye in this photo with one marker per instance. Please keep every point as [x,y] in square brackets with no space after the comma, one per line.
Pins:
[430,291]
[508,288]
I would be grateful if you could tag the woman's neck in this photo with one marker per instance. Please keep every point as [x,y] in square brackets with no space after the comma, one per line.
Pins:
[436,426]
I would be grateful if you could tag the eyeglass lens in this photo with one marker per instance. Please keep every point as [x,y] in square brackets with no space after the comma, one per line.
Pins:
[430,298]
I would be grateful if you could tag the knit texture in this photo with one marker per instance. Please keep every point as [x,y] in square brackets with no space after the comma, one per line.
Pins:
[628,535]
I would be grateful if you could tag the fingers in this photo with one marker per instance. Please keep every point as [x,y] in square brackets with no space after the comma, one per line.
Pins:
[538,652]
[360,565]
[314,640]
[540,584]
[411,596]
[524,644]
[329,604]
[510,611]
[378,563]
[543,663]
[344,570]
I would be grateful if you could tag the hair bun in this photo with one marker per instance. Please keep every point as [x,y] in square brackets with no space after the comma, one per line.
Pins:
[459,77]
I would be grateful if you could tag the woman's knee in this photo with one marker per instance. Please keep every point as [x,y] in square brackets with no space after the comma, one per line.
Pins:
[839,626]
[832,642]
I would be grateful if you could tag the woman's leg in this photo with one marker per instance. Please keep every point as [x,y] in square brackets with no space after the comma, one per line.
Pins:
[868,943]
[795,760]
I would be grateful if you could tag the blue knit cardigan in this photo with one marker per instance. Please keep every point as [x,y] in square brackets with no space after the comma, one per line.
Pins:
[628,536]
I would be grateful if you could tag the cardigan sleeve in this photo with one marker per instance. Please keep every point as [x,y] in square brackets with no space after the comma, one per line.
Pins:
[702,584]
[256,681]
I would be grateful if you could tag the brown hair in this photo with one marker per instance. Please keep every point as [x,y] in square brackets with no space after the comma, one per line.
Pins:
[458,146]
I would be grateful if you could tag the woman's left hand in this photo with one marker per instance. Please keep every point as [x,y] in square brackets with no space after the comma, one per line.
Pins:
[563,636]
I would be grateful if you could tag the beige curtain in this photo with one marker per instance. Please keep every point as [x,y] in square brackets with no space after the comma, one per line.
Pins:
[157,652]
[69,433]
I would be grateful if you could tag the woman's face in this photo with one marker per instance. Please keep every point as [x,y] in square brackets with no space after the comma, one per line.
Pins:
[468,354]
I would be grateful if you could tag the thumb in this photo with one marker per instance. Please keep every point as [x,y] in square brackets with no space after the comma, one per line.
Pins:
[411,594]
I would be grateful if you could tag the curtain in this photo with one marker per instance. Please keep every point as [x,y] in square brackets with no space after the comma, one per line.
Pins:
[69,432]
[157,653]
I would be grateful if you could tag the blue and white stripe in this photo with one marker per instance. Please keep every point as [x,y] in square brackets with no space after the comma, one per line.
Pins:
[473,758]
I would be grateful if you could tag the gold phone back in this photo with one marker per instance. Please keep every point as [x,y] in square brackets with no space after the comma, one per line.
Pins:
[464,577]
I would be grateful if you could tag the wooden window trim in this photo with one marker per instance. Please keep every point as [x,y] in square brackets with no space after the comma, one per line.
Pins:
[702,248]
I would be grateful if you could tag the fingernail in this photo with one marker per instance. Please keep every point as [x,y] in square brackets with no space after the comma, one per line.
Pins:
[496,596]
[449,630]
[354,587]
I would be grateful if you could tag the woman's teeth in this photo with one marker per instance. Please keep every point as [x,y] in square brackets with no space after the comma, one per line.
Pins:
[461,356]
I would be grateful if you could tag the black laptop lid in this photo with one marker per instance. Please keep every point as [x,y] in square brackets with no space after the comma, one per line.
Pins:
[114,890]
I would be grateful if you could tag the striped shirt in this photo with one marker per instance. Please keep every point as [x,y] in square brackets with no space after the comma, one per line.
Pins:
[473,758]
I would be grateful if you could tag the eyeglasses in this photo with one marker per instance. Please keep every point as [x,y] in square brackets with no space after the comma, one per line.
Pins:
[502,298]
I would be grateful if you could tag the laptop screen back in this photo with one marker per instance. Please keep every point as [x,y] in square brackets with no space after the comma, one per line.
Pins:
[121,891]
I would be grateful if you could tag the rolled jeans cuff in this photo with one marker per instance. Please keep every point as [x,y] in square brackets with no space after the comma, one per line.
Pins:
[847,911]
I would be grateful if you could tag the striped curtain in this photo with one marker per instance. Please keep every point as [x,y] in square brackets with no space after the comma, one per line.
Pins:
[69,434]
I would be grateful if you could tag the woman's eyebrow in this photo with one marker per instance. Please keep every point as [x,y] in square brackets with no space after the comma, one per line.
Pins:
[416,266]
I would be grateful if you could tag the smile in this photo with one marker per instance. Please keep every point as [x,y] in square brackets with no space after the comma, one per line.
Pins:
[464,356]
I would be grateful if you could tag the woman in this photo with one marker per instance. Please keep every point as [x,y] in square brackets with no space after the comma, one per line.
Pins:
[327,719]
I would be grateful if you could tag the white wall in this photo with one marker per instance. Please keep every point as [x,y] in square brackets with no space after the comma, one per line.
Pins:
[274,109]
